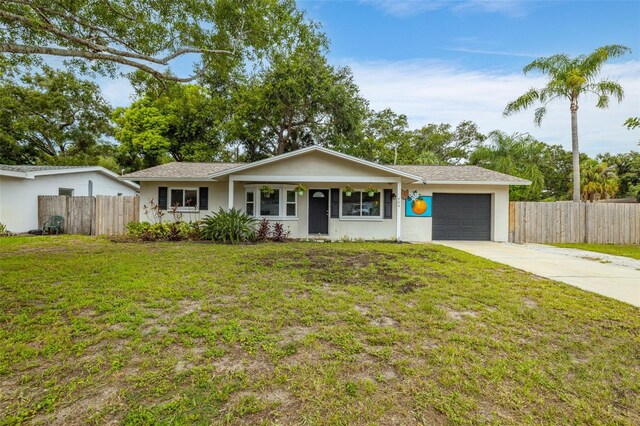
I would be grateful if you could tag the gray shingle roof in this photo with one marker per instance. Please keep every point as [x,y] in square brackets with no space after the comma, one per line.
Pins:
[180,170]
[459,174]
[27,169]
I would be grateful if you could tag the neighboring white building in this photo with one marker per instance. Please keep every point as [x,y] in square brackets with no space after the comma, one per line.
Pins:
[21,185]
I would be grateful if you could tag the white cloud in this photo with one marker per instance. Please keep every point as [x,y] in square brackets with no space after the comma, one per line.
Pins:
[403,8]
[117,92]
[435,91]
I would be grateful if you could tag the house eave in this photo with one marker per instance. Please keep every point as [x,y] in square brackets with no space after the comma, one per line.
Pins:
[470,182]
[165,179]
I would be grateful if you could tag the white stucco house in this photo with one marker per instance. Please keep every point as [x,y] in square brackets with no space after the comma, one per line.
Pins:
[409,203]
[21,185]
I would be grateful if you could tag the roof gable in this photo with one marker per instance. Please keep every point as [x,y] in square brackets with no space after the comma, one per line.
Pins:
[325,162]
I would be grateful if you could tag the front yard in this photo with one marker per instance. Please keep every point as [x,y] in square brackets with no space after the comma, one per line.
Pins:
[317,333]
[627,250]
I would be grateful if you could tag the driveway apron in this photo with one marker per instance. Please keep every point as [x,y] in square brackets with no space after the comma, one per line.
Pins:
[617,281]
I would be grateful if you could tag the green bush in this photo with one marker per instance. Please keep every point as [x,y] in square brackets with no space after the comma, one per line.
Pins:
[170,231]
[233,226]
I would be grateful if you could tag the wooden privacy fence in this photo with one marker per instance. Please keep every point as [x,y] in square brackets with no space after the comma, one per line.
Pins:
[99,215]
[569,222]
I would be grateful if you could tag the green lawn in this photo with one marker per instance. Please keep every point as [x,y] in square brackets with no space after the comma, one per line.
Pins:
[628,250]
[302,333]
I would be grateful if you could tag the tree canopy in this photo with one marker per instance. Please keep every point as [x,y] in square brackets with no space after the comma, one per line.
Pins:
[51,114]
[299,100]
[178,123]
[144,34]
[515,155]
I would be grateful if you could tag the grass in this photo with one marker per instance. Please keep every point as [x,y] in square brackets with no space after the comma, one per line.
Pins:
[627,250]
[304,333]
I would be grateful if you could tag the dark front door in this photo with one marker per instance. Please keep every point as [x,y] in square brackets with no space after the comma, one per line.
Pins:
[319,211]
[461,216]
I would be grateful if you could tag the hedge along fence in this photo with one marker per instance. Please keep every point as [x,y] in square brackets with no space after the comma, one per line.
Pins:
[99,215]
[569,222]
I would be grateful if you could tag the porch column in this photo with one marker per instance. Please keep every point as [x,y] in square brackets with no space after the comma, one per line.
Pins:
[399,209]
[231,188]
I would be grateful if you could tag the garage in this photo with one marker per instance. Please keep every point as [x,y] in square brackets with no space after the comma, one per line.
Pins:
[461,217]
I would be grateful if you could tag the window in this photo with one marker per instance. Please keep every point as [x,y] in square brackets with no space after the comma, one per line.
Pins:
[282,203]
[184,198]
[249,203]
[90,191]
[360,204]
[270,203]
[291,203]
[65,191]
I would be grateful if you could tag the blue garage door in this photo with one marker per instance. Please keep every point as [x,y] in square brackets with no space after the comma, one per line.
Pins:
[461,217]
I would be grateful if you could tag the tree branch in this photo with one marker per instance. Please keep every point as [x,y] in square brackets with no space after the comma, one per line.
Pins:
[102,48]
[99,56]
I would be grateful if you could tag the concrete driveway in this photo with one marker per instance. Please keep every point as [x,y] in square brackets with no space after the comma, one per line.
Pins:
[620,280]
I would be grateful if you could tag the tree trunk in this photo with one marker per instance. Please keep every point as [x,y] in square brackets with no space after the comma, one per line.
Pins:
[576,151]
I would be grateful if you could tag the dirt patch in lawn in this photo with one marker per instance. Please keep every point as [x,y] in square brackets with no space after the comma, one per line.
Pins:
[295,333]
[460,315]
[384,322]
[79,411]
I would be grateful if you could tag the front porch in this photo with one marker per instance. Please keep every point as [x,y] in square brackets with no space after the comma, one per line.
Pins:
[324,210]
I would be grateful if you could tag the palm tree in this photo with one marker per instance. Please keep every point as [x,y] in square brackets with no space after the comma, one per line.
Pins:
[599,181]
[569,78]
[515,155]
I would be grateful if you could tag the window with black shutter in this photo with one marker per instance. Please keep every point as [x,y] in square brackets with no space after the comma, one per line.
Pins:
[388,204]
[162,197]
[204,198]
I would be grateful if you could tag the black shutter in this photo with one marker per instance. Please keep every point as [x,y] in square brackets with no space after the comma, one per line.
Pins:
[162,197]
[204,198]
[388,204]
[335,202]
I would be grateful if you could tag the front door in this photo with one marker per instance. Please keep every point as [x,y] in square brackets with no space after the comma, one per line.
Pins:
[319,211]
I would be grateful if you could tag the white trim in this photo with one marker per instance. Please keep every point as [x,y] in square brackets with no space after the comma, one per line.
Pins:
[169,179]
[313,148]
[10,173]
[230,195]
[33,174]
[398,210]
[474,182]
[282,202]
[183,209]
[370,218]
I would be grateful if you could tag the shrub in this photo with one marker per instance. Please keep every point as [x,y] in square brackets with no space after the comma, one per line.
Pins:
[233,226]
[171,231]
[191,230]
[279,234]
[264,230]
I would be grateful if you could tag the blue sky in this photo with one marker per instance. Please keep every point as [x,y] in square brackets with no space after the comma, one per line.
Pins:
[445,61]
[462,30]
[448,61]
